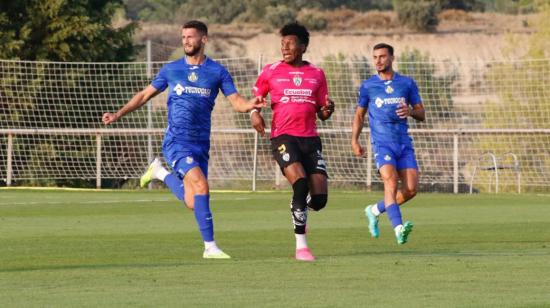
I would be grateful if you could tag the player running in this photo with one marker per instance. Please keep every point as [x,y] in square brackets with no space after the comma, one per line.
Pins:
[298,92]
[390,99]
[193,82]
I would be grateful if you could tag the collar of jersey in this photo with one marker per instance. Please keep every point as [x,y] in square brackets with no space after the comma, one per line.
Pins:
[395,75]
[197,65]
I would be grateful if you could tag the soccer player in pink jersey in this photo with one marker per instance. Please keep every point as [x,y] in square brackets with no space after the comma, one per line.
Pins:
[299,94]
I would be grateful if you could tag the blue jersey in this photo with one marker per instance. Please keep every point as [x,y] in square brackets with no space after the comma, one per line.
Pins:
[193,91]
[381,98]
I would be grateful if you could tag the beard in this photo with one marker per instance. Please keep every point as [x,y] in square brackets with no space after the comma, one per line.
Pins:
[194,51]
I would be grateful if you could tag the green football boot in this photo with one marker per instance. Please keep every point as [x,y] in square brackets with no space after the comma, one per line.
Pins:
[215,255]
[373,221]
[403,234]
[148,176]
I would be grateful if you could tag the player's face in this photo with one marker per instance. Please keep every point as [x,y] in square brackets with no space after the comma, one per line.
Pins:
[382,60]
[291,49]
[193,41]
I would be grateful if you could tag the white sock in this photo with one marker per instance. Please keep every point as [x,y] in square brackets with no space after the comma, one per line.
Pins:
[374,210]
[160,173]
[397,229]
[300,241]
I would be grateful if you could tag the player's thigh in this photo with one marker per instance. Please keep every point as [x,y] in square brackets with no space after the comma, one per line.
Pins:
[312,156]
[406,158]
[389,174]
[293,172]
[318,184]
[195,182]
[286,153]
[386,162]
[409,179]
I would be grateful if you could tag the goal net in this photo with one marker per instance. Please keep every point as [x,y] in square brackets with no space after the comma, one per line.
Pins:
[487,124]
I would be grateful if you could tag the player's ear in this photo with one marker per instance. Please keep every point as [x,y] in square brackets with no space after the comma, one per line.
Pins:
[204,39]
[304,48]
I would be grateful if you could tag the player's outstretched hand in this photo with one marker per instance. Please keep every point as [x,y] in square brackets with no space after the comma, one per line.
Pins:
[403,111]
[109,118]
[357,149]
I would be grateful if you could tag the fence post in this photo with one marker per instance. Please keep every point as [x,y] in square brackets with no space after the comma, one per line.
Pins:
[98,161]
[9,170]
[256,136]
[455,163]
[149,110]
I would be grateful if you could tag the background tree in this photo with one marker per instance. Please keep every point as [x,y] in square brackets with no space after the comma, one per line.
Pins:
[63,30]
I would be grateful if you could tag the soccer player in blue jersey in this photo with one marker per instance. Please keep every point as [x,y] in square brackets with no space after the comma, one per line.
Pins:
[389,98]
[193,83]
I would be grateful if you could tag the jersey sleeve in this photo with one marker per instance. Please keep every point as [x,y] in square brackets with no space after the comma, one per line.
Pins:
[160,82]
[322,92]
[363,100]
[414,96]
[227,85]
[261,88]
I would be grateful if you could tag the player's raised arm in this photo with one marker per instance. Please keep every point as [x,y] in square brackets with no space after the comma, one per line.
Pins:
[253,106]
[242,105]
[356,128]
[134,103]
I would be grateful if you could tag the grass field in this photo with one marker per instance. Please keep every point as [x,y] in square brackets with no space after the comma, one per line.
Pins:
[121,248]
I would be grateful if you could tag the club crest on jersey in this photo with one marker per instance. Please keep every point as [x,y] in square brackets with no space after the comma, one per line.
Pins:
[297,80]
[189,160]
[387,158]
[192,77]
[389,89]
[178,89]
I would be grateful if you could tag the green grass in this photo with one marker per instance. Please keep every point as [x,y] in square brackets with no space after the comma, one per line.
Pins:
[142,249]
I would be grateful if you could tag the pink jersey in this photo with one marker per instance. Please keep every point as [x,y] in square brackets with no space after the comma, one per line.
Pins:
[297,93]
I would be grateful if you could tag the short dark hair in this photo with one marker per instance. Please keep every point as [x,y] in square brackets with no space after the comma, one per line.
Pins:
[198,25]
[297,29]
[384,45]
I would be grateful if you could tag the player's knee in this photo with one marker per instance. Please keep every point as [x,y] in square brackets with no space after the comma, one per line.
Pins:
[409,193]
[318,202]
[200,187]
[300,189]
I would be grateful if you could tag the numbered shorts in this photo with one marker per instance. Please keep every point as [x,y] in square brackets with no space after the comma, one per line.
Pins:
[400,155]
[306,150]
[183,156]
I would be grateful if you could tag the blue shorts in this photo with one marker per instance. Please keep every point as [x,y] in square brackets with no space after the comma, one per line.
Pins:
[400,155]
[183,156]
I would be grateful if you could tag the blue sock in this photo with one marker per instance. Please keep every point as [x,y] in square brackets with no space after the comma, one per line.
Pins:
[394,214]
[204,217]
[381,206]
[175,185]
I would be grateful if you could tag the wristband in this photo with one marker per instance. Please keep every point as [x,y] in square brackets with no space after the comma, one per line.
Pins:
[253,110]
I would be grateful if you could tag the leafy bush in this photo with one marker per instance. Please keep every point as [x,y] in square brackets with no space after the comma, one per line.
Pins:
[280,15]
[418,15]
[313,20]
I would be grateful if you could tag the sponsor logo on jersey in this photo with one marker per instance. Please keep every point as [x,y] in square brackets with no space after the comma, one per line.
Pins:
[297,80]
[298,92]
[284,99]
[388,101]
[179,89]
[192,77]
